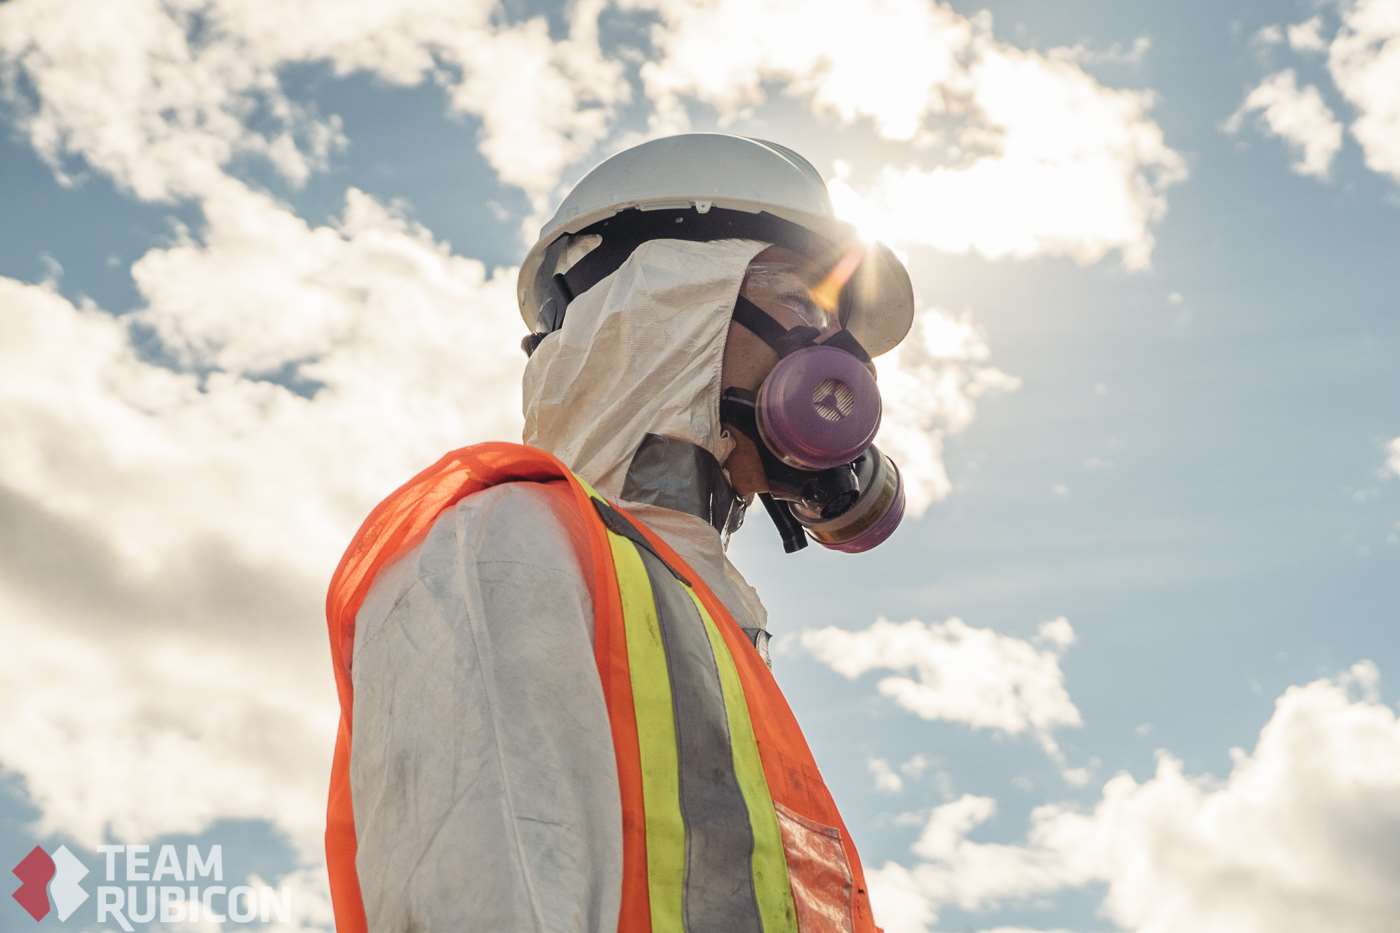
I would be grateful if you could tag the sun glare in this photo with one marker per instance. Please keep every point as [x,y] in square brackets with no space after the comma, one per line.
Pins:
[827,293]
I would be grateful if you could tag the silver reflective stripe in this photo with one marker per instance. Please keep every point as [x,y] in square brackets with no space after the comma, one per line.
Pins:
[719,892]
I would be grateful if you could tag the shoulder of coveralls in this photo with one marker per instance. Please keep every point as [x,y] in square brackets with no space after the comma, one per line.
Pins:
[526,525]
[524,522]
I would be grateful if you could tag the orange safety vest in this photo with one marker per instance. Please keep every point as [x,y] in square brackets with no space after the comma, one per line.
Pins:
[728,827]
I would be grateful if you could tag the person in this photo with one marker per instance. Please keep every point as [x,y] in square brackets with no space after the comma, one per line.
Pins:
[557,709]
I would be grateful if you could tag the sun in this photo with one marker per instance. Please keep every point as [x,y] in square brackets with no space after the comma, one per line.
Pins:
[870,223]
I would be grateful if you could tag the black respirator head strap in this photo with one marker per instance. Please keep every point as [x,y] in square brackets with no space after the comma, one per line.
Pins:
[845,340]
[765,327]
[785,340]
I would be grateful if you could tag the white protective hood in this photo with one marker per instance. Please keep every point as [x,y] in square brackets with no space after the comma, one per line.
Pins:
[640,353]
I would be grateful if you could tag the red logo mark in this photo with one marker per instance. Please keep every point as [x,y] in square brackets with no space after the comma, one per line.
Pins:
[36,870]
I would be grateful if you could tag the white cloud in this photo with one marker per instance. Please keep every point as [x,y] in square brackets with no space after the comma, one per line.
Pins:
[899,903]
[1302,37]
[1061,165]
[886,780]
[1057,633]
[1297,115]
[162,96]
[1307,36]
[1392,458]
[915,766]
[956,871]
[185,575]
[1034,155]
[911,818]
[1298,837]
[930,385]
[121,85]
[954,672]
[721,53]
[1134,53]
[1364,59]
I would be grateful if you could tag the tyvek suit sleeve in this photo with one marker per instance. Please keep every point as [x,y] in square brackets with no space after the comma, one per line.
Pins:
[482,768]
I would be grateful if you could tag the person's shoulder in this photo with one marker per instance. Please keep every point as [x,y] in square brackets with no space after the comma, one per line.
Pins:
[504,506]
[521,521]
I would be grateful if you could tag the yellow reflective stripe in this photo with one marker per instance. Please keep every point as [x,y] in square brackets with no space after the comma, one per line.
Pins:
[587,488]
[770,873]
[656,738]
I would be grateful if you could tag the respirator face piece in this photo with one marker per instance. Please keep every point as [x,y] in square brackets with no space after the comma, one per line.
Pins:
[814,420]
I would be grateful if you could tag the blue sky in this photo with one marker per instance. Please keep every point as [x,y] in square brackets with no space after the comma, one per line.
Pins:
[1152,246]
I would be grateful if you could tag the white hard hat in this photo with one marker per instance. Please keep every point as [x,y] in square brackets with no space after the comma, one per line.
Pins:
[704,186]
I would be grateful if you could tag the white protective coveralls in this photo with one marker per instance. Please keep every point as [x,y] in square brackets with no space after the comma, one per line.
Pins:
[482,771]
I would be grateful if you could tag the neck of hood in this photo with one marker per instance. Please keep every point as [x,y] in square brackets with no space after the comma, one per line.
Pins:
[627,392]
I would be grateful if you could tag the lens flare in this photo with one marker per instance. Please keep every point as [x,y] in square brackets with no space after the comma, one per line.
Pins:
[827,293]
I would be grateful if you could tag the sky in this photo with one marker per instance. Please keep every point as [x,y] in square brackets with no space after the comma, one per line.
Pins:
[1130,664]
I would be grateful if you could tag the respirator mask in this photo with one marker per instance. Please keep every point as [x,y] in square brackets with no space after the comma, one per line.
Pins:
[813,420]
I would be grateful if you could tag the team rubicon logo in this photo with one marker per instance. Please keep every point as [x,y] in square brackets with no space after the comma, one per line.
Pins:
[43,876]
[145,884]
